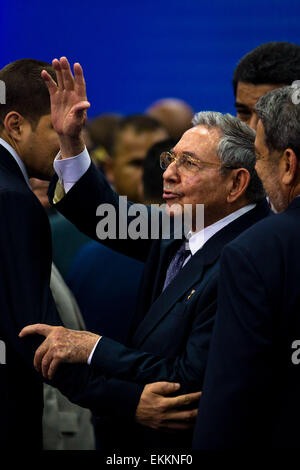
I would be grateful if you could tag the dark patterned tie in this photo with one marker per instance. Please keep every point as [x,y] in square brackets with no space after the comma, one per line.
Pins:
[176,263]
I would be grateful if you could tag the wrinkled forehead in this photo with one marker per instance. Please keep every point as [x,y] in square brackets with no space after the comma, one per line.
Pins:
[199,140]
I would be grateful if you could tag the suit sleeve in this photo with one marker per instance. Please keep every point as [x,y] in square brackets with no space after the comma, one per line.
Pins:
[26,298]
[237,398]
[80,206]
[186,368]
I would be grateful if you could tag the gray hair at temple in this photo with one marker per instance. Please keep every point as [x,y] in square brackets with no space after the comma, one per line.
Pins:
[235,148]
[279,111]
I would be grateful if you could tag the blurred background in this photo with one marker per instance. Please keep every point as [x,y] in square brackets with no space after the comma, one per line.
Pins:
[134,52]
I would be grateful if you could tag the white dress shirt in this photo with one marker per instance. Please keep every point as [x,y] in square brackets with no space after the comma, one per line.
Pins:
[70,170]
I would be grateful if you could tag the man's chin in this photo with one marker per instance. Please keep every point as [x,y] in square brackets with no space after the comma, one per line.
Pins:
[174,209]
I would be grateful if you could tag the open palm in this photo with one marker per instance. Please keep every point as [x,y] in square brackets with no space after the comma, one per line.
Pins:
[68,98]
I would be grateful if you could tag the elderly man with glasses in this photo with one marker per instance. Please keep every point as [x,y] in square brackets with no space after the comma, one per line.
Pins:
[211,165]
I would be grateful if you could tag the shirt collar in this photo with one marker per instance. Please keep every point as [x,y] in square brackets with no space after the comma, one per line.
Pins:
[197,240]
[14,154]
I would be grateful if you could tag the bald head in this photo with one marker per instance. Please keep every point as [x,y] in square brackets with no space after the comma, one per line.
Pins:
[174,114]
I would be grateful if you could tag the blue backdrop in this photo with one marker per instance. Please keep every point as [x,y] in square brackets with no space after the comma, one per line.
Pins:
[135,52]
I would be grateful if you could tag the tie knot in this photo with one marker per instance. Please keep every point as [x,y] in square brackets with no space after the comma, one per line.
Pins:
[183,252]
[184,247]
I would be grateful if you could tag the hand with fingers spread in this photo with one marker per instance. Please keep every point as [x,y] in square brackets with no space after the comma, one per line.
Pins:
[68,105]
[60,345]
[158,411]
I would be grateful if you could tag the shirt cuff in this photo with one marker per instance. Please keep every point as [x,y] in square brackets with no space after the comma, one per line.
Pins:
[92,352]
[70,170]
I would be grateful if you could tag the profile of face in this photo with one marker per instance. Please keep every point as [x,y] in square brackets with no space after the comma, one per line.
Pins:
[247,96]
[268,169]
[38,148]
[127,163]
[202,184]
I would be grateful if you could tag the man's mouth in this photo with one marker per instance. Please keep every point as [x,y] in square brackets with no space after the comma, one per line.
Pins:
[167,194]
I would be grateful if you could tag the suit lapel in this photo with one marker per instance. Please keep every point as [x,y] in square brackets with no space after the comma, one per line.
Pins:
[190,274]
[193,271]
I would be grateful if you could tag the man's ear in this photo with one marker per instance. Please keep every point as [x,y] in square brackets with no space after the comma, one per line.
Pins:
[239,181]
[289,167]
[13,125]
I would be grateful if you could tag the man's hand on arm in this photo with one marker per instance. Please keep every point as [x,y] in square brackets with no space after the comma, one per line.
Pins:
[158,411]
[68,105]
[60,345]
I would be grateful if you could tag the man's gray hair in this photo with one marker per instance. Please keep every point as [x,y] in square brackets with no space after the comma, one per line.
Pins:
[235,148]
[279,111]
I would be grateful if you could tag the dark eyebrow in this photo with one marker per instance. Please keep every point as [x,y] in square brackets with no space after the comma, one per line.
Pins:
[241,105]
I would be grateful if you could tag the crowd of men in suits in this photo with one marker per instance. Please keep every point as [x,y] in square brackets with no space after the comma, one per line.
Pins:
[207,362]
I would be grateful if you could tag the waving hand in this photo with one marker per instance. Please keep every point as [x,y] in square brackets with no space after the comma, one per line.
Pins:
[68,104]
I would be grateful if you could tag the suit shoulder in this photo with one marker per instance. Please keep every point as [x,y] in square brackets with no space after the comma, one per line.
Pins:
[267,232]
[11,192]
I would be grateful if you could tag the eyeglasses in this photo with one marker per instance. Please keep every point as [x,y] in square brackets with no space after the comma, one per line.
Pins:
[187,163]
[184,161]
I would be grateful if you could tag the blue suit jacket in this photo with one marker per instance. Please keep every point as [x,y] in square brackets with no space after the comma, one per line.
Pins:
[252,387]
[170,333]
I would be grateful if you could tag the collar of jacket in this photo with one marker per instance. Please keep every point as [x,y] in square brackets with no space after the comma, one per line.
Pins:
[9,163]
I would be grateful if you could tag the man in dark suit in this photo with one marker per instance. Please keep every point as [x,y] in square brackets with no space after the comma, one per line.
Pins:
[212,164]
[252,385]
[28,146]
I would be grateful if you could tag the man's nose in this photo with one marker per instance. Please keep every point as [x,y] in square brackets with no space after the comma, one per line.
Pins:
[171,173]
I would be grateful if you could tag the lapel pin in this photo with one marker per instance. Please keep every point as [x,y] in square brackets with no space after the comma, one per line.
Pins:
[190,295]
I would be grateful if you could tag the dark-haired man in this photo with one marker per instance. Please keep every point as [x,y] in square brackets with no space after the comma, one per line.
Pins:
[269,66]
[28,144]
[133,137]
[152,187]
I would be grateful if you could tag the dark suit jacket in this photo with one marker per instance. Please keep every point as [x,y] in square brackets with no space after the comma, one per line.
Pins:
[25,298]
[170,333]
[252,388]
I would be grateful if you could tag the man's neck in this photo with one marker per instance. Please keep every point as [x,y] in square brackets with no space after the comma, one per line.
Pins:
[4,136]
[225,212]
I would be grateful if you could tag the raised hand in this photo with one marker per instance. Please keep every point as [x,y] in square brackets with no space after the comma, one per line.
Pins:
[68,104]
